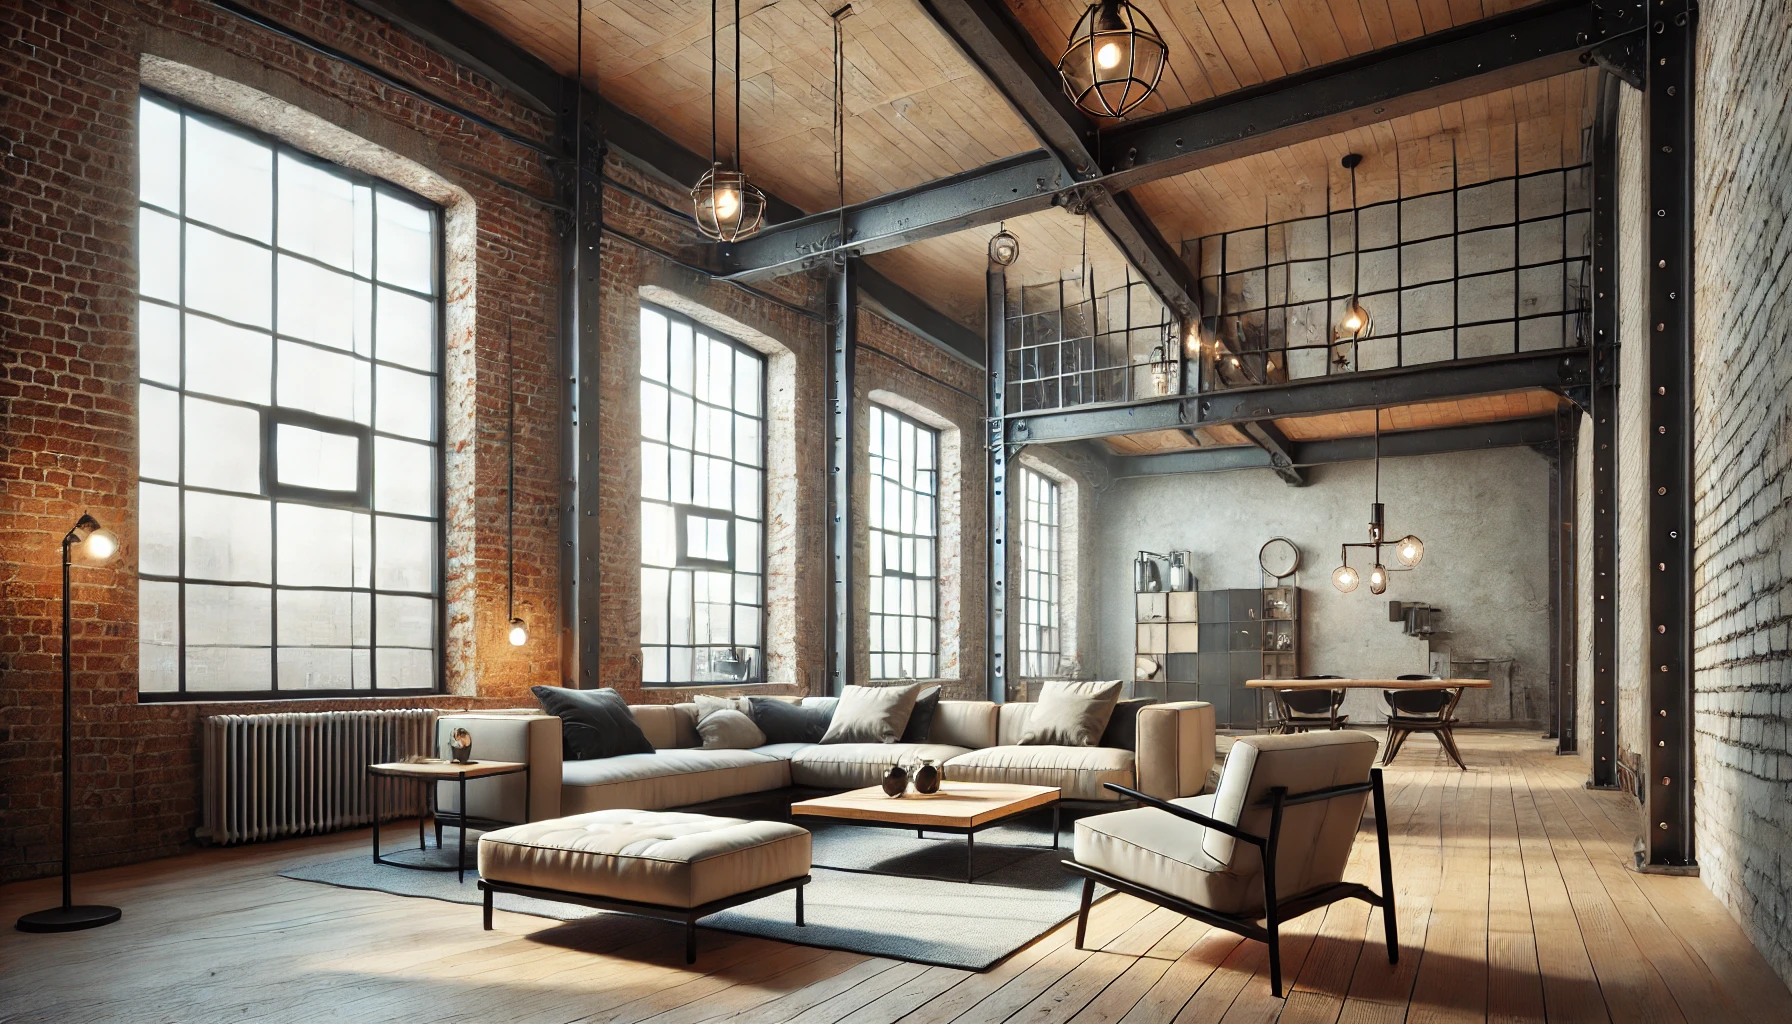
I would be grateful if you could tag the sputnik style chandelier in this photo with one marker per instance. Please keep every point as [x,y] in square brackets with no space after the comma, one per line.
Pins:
[1114,61]
[1408,550]
[1354,323]
[728,207]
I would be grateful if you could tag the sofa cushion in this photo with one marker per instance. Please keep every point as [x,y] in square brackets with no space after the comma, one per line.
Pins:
[725,725]
[920,720]
[595,723]
[1123,725]
[675,777]
[965,723]
[1159,850]
[1071,713]
[664,859]
[872,714]
[857,765]
[1078,771]
[784,722]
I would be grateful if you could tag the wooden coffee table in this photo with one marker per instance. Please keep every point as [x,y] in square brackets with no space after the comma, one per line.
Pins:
[959,808]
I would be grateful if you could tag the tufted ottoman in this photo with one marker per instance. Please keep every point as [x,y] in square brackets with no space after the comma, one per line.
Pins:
[661,864]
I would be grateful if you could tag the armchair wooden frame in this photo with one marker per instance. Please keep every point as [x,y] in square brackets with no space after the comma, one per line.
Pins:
[1276,911]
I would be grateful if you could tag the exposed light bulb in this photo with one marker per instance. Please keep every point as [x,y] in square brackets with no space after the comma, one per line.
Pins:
[1410,550]
[727,204]
[1108,57]
[101,545]
[1353,323]
[1378,579]
[1234,360]
[519,633]
[1344,578]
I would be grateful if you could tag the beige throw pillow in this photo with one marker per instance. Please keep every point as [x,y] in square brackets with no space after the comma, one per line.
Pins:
[1071,713]
[872,714]
[723,726]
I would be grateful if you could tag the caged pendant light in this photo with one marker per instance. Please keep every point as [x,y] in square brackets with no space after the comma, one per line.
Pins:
[727,206]
[1354,323]
[1114,60]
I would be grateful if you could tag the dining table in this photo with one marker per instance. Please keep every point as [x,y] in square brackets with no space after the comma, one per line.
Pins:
[1364,684]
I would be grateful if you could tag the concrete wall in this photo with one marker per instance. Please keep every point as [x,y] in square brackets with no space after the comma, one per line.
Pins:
[1483,517]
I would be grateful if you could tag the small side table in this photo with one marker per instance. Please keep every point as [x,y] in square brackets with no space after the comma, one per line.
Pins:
[430,773]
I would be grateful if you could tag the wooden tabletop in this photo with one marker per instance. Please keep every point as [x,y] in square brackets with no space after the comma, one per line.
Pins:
[446,769]
[1367,684]
[956,805]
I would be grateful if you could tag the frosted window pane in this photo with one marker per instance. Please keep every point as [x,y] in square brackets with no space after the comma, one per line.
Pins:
[653,606]
[228,277]
[230,181]
[653,411]
[328,383]
[748,445]
[158,529]
[158,343]
[746,546]
[746,384]
[406,245]
[326,307]
[678,352]
[403,477]
[228,538]
[403,668]
[721,372]
[658,535]
[405,558]
[405,621]
[406,402]
[653,345]
[158,256]
[158,668]
[158,611]
[407,330]
[683,416]
[315,458]
[323,547]
[653,471]
[653,665]
[158,432]
[746,626]
[212,669]
[234,616]
[158,154]
[317,668]
[746,493]
[227,361]
[223,446]
[325,216]
[322,618]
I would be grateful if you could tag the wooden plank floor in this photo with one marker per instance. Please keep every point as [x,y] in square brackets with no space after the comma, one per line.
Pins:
[1515,905]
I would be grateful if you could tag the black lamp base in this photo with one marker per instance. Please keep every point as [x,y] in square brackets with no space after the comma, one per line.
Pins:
[68,919]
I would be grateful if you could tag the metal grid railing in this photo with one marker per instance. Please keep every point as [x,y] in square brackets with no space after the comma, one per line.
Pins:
[1072,345]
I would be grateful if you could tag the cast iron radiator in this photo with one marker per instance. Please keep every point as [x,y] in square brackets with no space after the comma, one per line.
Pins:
[270,776]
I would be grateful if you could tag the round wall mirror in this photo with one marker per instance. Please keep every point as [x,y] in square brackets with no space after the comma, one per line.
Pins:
[1279,557]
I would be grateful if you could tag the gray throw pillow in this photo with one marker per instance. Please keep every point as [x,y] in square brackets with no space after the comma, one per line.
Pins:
[1071,713]
[723,726]
[593,723]
[871,714]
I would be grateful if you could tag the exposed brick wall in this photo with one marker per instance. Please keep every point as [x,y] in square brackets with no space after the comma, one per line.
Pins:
[1742,451]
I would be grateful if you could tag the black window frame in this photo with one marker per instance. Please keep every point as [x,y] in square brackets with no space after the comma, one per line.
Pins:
[873,645]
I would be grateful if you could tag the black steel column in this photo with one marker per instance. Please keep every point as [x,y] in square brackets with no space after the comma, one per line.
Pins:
[1667,183]
[995,323]
[1552,546]
[1567,539]
[1604,452]
[843,308]
[581,246]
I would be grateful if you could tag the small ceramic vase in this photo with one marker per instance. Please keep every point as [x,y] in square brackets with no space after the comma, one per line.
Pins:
[895,781]
[461,743]
[927,778]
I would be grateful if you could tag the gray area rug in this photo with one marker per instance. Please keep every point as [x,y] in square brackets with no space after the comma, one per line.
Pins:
[876,891]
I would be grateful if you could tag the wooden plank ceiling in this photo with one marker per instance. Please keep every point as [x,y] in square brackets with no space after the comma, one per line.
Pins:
[916,108]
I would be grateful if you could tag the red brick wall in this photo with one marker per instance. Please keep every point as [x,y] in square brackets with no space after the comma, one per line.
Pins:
[68,97]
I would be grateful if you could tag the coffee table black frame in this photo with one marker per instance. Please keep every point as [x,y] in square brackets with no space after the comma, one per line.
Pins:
[969,832]
[460,818]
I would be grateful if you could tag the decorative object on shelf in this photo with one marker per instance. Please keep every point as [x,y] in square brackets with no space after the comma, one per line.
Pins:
[1114,60]
[1163,368]
[1354,323]
[895,781]
[927,778]
[1146,579]
[518,630]
[94,545]
[460,742]
[1181,577]
[1004,248]
[727,206]
[1408,550]
[1278,558]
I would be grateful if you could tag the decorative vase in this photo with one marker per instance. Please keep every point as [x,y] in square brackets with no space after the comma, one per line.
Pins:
[895,781]
[927,778]
[461,743]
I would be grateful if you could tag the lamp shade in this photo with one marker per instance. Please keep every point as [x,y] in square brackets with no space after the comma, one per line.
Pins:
[1114,60]
[1344,578]
[1410,550]
[1004,248]
[727,206]
[1378,579]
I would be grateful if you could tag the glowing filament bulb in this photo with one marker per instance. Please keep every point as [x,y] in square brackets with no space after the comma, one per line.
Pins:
[519,633]
[1108,57]
[727,203]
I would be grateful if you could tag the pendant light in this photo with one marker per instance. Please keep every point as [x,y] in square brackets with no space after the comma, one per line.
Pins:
[519,630]
[1354,323]
[1004,248]
[728,207]
[1408,550]
[1114,60]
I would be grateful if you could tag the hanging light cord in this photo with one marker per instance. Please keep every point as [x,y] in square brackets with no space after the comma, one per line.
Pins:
[1356,245]
[737,63]
[510,487]
[840,120]
[713,80]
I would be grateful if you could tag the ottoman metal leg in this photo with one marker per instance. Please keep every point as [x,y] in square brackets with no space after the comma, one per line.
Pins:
[690,941]
[799,906]
[488,908]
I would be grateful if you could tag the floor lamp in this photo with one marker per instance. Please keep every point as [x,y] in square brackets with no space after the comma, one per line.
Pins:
[97,546]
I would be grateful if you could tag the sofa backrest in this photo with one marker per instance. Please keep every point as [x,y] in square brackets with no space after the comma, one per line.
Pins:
[668,726]
[965,723]
[1012,722]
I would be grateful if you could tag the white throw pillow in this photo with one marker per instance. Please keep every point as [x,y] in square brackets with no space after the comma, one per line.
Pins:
[723,726]
[872,714]
[1071,714]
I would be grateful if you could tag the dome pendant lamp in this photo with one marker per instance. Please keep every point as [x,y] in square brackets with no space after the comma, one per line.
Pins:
[1408,550]
[727,206]
[1354,323]
[1114,61]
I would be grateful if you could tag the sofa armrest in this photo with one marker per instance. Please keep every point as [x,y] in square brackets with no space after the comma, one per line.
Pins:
[531,738]
[1175,750]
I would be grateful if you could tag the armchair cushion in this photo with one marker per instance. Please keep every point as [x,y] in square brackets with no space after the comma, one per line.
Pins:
[1316,837]
[1161,851]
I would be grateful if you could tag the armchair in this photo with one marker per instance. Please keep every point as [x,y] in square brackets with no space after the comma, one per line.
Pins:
[1270,844]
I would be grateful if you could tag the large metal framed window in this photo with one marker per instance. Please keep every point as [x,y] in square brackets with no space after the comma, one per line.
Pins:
[1040,637]
[289,409]
[902,547]
[702,505]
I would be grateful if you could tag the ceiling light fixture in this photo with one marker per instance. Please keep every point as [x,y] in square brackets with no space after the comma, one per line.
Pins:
[1408,550]
[1354,323]
[728,207]
[1004,248]
[1114,60]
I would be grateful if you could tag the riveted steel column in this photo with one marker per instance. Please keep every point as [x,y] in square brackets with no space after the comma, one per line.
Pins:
[1668,251]
[843,308]
[995,320]
[1604,450]
[1567,540]
[581,249]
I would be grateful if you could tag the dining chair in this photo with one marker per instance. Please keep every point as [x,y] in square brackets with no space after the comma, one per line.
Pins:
[1428,710]
[1300,710]
[1269,844]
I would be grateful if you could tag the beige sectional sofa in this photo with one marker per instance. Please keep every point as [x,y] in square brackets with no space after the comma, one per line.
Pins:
[970,740]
